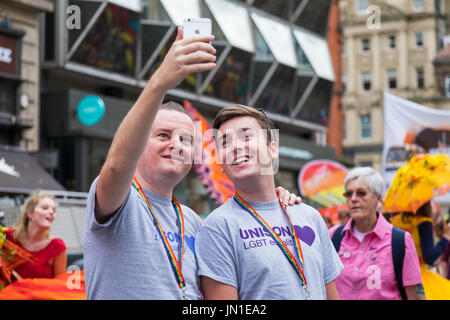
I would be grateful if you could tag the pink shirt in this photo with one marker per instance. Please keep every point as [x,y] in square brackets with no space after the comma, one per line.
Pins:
[368,272]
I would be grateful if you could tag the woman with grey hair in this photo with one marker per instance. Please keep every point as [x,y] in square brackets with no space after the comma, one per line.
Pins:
[380,262]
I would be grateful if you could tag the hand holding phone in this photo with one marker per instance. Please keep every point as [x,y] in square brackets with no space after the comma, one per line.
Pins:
[198,27]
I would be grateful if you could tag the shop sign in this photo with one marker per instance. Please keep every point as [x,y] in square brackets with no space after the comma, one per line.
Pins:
[295,153]
[90,110]
[7,54]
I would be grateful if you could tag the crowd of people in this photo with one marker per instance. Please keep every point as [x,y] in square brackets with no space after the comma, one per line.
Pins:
[263,243]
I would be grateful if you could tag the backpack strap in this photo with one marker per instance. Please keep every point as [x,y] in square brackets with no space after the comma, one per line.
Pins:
[398,256]
[337,237]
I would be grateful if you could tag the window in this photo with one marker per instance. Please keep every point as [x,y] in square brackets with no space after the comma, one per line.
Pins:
[365,45]
[418,5]
[344,131]
[362,6]
[439,5]
[366,126]
[392,79]
[420,78]
[313,17]
[344,83]
[111,43]
[366,164]
[419,39]
[366,81]
[280,8]
[7,96]
[391,42]
[447,86]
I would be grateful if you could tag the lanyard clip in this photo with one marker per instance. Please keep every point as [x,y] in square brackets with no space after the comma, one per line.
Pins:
[184,292]
[305,290]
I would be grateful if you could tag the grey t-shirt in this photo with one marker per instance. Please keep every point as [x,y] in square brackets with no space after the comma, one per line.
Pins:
[233,248]
[125,257]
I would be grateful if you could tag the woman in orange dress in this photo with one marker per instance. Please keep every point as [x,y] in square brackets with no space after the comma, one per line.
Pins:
[420,226]
[32,233]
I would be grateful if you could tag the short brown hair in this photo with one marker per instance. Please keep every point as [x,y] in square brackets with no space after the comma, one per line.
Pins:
[239,110]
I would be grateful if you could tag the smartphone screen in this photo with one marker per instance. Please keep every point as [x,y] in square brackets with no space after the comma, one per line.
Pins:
[196,27]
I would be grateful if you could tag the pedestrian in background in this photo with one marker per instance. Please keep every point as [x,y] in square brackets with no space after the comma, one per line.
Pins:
[32,233]
[365,244]
[344,216]
[420,225]
[445,262]
[327,221]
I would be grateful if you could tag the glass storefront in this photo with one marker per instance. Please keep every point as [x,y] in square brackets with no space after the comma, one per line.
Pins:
[281,8]
[111,42]
[314,16]
[98,150]
[315,109]
[231,80]
[277,95]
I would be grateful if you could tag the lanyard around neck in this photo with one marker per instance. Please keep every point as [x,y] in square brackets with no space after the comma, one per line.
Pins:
[176,266]
[298,266]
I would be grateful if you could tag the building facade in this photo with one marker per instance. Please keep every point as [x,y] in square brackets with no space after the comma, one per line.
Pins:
[19,72]
[387,45]
[20,85]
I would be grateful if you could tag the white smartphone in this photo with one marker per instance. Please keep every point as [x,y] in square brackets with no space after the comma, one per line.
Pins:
[196,27]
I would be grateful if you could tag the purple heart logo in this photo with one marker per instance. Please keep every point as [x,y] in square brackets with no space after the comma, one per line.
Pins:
[190,242]
[306,234]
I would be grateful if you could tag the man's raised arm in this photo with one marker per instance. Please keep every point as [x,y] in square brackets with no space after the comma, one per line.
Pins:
[186,56]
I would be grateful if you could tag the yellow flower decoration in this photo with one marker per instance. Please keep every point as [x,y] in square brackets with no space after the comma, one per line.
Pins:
[421,179]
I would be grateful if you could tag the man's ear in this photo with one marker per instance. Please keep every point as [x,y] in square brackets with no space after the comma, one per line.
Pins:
[273,149]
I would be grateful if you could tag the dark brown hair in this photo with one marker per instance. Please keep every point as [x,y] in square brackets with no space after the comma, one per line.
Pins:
[239,110]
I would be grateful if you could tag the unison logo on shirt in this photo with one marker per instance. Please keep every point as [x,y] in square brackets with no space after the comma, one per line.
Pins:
[174,237]
[254,235]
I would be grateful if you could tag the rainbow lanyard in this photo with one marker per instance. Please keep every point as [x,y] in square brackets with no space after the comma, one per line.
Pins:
[176,267]
[297,267]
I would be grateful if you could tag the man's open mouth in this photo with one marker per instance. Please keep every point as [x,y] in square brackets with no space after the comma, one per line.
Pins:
[240,160]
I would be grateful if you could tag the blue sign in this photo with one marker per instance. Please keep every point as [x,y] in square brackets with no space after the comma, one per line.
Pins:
[90,110]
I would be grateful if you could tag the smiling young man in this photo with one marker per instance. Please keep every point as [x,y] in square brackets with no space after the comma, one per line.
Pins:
[252,247]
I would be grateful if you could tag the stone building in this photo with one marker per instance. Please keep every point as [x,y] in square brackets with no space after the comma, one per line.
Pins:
[387,45]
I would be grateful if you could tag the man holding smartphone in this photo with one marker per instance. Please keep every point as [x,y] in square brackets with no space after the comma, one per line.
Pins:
[138,239]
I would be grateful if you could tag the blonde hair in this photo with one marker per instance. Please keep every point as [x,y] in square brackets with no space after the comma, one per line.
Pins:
[21,226]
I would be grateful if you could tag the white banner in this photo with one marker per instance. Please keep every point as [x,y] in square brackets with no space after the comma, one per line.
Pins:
[410,129]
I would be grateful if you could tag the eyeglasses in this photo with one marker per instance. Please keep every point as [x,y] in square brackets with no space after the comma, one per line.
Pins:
[359,194]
